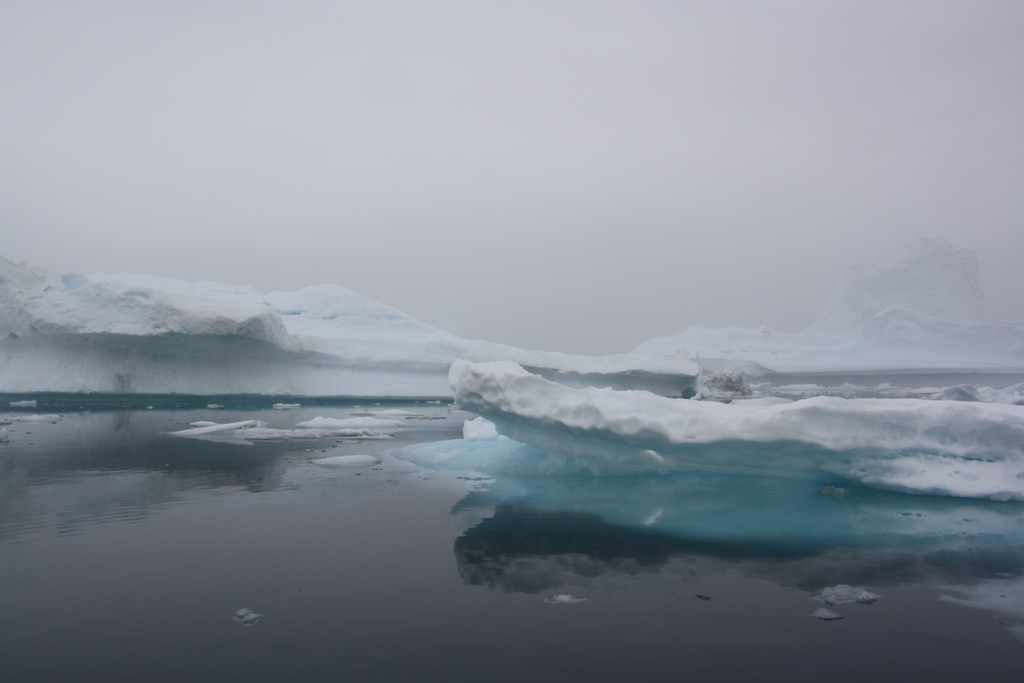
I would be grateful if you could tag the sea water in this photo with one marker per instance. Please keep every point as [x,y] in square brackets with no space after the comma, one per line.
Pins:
[128,553]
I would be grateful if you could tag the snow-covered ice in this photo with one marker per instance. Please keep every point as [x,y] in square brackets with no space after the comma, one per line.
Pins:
[957,448]
[127,333]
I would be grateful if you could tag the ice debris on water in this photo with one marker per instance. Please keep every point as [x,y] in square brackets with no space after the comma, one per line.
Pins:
[246,617]
[347,461]
[4,435]
[286,406]
[826,614]
[837,595]
[23,404]
[564,599]
[214,406]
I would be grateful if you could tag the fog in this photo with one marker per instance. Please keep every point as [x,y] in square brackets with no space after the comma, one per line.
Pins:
[564,176]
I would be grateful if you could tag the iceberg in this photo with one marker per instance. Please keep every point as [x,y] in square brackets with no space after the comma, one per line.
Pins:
[138,334]
[910,320]
[956,448]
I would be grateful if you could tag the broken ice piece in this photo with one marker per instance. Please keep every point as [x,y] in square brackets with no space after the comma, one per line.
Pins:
[837,595]
[286,406]
[564,599]
[826,614]
[347,461]
[246,617]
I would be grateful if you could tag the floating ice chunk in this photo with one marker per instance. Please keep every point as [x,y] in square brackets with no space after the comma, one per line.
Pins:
[1003,595]
[371,423]
[32,418]
[564,599]
[214,427]
[479,428]
[23,404]
[201,423]
[5,436]
[390,412]
[653,517]
[213,406]
[725,385]
[246,617]
[286,406]
[961,392]
[348,461]
[826,614]
[837,595]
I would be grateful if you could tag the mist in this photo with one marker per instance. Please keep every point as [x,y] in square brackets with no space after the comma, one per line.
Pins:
[565,176]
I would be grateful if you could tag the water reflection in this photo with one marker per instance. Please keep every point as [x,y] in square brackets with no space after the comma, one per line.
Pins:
[77,469]
[532,536]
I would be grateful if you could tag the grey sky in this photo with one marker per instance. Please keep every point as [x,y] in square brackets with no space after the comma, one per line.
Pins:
[566,176]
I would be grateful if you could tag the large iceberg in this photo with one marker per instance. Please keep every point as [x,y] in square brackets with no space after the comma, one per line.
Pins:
[970,449]
[138,334]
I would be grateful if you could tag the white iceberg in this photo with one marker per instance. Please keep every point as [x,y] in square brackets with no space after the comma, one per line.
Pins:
[957,448]
[131,334]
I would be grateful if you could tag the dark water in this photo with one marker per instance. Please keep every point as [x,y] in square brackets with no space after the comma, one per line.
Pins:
[125,553]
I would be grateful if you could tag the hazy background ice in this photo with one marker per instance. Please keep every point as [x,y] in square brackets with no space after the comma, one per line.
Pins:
[566,176]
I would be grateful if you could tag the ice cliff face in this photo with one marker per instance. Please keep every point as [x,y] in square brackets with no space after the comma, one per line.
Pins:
[129,333]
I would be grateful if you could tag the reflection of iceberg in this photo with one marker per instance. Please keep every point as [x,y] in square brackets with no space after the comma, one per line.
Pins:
[552,534]
[948,447]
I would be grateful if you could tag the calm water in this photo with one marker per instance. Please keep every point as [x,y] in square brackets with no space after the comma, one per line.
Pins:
[125,553]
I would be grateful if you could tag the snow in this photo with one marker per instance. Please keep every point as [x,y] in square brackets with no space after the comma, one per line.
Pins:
[953,448]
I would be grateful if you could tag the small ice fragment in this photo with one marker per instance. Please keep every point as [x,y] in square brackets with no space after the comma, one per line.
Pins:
[834,491]
[826,614]
[837,595]
[347,461]
[23,404]
[246,617]
[201,423]
[213,406]
[286,406]
[4,435]
[564,599]
[653,517]
[705,598]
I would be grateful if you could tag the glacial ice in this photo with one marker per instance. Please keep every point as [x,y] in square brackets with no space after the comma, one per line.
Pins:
[956,448]
[132,334]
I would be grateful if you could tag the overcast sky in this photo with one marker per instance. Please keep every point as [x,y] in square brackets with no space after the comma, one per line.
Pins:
[556,175]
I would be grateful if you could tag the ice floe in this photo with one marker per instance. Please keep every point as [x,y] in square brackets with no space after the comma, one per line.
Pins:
[352,461]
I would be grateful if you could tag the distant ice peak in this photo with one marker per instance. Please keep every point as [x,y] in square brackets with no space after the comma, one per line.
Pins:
[928,275]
